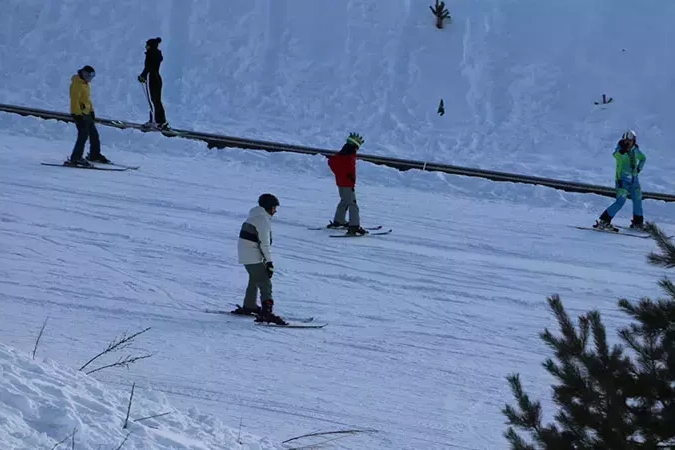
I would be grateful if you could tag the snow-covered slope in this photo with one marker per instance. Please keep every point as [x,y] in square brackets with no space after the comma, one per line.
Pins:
[518,77]
[423,324]
[43,403]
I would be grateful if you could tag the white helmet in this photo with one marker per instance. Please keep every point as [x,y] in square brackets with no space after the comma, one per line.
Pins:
[630,135]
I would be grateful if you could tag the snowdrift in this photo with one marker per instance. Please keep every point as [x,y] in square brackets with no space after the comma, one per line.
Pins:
[42,403]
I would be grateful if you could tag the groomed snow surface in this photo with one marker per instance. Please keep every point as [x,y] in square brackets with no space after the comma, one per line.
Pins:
[423,324]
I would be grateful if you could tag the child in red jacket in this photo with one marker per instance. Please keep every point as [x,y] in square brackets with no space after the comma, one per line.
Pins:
[343,165]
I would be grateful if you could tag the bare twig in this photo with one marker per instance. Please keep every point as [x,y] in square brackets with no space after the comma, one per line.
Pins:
[325,433]
[121,362]
[152,417]
[70,436]
[131,397]
[117,344]
[37,341]
[124,441]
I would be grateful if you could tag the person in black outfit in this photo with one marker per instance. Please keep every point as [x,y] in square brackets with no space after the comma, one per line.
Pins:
[150,75]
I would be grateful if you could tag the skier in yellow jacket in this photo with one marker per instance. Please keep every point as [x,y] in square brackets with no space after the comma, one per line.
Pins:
[82,111]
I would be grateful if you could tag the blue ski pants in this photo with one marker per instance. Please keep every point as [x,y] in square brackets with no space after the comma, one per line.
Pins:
[624,188]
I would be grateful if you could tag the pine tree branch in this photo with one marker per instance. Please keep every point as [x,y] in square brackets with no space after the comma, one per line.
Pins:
[667,256]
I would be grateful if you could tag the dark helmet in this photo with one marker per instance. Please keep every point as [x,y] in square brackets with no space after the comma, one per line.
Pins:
[268,201]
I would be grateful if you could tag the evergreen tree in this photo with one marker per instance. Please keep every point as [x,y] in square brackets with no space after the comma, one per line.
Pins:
[618,398]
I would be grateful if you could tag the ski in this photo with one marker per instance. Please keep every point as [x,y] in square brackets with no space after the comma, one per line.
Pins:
[617,232]
[641,233]
[379,227]
[251,316]
[290,325]
[92,167]
[346,235]
[124,166]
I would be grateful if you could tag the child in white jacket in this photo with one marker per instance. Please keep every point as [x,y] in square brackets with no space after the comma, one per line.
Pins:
[255,253]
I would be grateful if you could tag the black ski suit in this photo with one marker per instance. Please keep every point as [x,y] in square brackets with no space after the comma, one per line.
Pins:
[153,59]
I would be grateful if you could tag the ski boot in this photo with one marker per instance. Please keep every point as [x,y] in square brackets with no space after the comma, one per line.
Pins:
[245,311]
[638,223]
[333,225]
[605,223]
[98,158]
[356,230]
[266,314]
[77,162]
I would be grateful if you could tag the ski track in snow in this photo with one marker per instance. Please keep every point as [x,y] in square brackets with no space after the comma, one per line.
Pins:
[424,324]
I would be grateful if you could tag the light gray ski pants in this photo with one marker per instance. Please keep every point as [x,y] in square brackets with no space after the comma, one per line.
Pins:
[258,279]
[347,203]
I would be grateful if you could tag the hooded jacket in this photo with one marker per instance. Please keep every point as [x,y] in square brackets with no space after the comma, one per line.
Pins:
[255,237]
[629,161]
[80,96]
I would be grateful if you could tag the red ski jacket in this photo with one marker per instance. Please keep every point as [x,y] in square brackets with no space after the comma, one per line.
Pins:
[344,168]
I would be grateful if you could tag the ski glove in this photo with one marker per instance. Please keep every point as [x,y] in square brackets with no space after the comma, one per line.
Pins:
[141,79]
[270,268]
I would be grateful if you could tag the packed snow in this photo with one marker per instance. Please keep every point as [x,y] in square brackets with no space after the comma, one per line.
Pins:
[424,324]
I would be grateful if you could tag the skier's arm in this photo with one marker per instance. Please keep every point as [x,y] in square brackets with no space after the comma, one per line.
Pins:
[641,158]
[264,231]
[144,74]
[76,99]
[619,164]
[352,171]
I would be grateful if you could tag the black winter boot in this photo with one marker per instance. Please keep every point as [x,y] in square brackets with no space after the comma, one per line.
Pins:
[605,222]
[638,222]
[356,230]
[266,314]
[336,225]
[244,311]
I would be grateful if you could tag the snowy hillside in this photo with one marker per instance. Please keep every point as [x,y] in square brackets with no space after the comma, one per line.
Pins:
[518,77]
[424,324]
[43,403]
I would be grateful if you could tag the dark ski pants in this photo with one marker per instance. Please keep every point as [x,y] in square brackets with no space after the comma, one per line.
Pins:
[258,280]
[155,87]
[86,129]
[347,203]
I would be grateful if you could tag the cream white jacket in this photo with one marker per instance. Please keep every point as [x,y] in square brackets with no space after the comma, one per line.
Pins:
[255,237]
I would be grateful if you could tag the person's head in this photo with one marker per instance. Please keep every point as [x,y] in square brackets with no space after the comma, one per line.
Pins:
[269,203]
[354,142]
[87,73]
[153,43]
[629,137]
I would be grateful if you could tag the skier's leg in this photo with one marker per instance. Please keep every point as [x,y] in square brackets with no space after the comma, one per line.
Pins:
[156,96]
[354,215]
[636,197]
[94,141]
[615,207]
[341,210]
[82,136]
[251,295]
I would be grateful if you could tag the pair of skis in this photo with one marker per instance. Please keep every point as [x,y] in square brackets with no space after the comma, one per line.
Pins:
[372,231]
[111,167]
[293,322]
